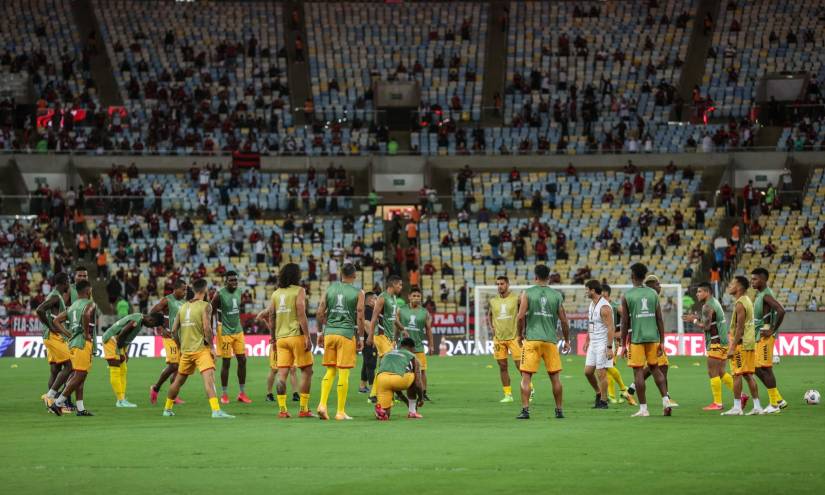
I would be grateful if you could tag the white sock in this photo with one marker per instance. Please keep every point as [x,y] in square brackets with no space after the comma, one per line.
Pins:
[737,403]
[80,406]
[60,400]
[756,404]
[643,407]
[665,401]
[411,402]
[51,394]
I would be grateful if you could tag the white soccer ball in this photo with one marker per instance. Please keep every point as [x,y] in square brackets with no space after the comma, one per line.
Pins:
[775,359]
[812,397]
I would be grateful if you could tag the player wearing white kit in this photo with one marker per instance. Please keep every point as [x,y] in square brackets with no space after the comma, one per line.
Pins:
[599,344]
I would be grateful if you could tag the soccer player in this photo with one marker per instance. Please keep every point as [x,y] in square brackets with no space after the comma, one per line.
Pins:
[742,348]
[415,321]
[540,311]
[642,318]
[170,305]
[288,321]
[227,303]
[767,322]
[599,342]
[398,371]
[192,329]
[340,316]
[115,342]
[502,320]
[263,319]
[57,349]
[385,310]
[712,322]
[614,377]
[80,274]
[369,354]
[81,318]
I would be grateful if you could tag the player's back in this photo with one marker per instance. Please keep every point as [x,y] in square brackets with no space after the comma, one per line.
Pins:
[342,303]
[397,362]
[720,322]
[542,315]
[191,328]
[641,306]
[286,314]
[75,317]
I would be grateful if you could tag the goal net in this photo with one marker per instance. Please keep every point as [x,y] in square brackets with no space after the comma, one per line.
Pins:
[576,305]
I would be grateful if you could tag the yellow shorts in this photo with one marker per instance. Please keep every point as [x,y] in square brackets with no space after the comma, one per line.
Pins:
[535,351]
[291,352]
[82,358]
[639,355]
[201,359]
[422,360]
[57,350]
[663,361]
[339,351]
[717,351]
[111,352]
[383,344]
[386,384]
[273,356]
[231,345]
[743,362]
[502,347]
[172,351]
[764,352]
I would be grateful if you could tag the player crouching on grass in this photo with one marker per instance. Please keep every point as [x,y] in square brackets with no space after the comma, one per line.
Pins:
[399,370]
[115,342]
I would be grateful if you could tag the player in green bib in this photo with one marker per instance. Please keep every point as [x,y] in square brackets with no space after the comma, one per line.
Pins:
[399,371]
[340,316]
[642,319]
[169,306]
[57,349]
[383,319]
[115,342]
[415,322]
[540,312]
[712,322]
[768,314]
[226,305]
[80,274]
[81,320]
[742,348]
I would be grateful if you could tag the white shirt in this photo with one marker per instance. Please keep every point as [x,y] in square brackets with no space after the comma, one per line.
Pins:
[333,266]
[173,224]
[596,328]
[707,144]
[720,243]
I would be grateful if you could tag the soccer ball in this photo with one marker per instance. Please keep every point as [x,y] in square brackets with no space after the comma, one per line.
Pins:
[812,397]
[775,359]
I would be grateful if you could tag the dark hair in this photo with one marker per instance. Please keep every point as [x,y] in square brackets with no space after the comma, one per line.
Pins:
[199,285]
[606,289]
[369,294]
[743,281]
[348,270]
[407,342]
[594,285]
[761,271]
[503,277]
[157,318]
[542,272]
[80,268]
[82,285]
[706,286]
[230,274]
[639,270]
[179,283]
[290,275]
[415,288]
[393,279]
[61,278]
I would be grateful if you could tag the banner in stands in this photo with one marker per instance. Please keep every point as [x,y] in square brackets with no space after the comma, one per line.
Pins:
[246,160]
[20,325]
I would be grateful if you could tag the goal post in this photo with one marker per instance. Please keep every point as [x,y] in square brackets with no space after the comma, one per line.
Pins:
[576,304]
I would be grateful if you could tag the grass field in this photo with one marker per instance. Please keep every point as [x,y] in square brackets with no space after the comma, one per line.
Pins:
[467,443]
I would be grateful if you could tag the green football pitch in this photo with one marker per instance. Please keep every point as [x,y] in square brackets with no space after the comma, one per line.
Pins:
[467,443]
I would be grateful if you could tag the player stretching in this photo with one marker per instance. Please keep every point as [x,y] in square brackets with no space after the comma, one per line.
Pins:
[539,312]
[170,305]
[398,371]
[712,322]
[193,335]
[767,323]
[642,318]
[57,350]
[341,316]
[386,307]
[227,303]
[116,341]
[81,318]
[502,320]
[417,323]
[599,342]
[288,317]
[614,377]
[742,349]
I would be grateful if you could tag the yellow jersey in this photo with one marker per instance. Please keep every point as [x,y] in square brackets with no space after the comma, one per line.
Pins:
[191,326]
[503,312]
[286,314]
[749,336]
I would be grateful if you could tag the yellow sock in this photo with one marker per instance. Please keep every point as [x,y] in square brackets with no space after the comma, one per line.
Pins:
[777,395]
[214,404]
[611,387]
[508,390]
[343,390]
[727,380]
[123,370]
[169,403]
[114,380]
[326,387]
[617,377]
[304,402]
[772,393]
[282,403]
[716,389]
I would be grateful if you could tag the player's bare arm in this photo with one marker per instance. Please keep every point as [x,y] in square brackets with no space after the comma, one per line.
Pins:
[88,320]
[175,330]
[262,317]
[774,305]
[359,320]
[520,319]
[398,329]
[321,319]
[607,317]
[428,325]
[44,308]
[58,324]
[660,325]
[301,314]
[625,326]
[378,307]
[565,329]
[207,327]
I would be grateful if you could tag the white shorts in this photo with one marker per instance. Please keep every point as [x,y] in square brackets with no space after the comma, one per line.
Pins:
[596,356]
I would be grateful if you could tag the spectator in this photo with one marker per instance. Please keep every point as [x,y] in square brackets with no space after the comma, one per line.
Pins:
[636,248]
[807,255]
[122,307]
[786,258]
[541,250]
[658,250]
[332,269]
[412,231]
[768,250]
